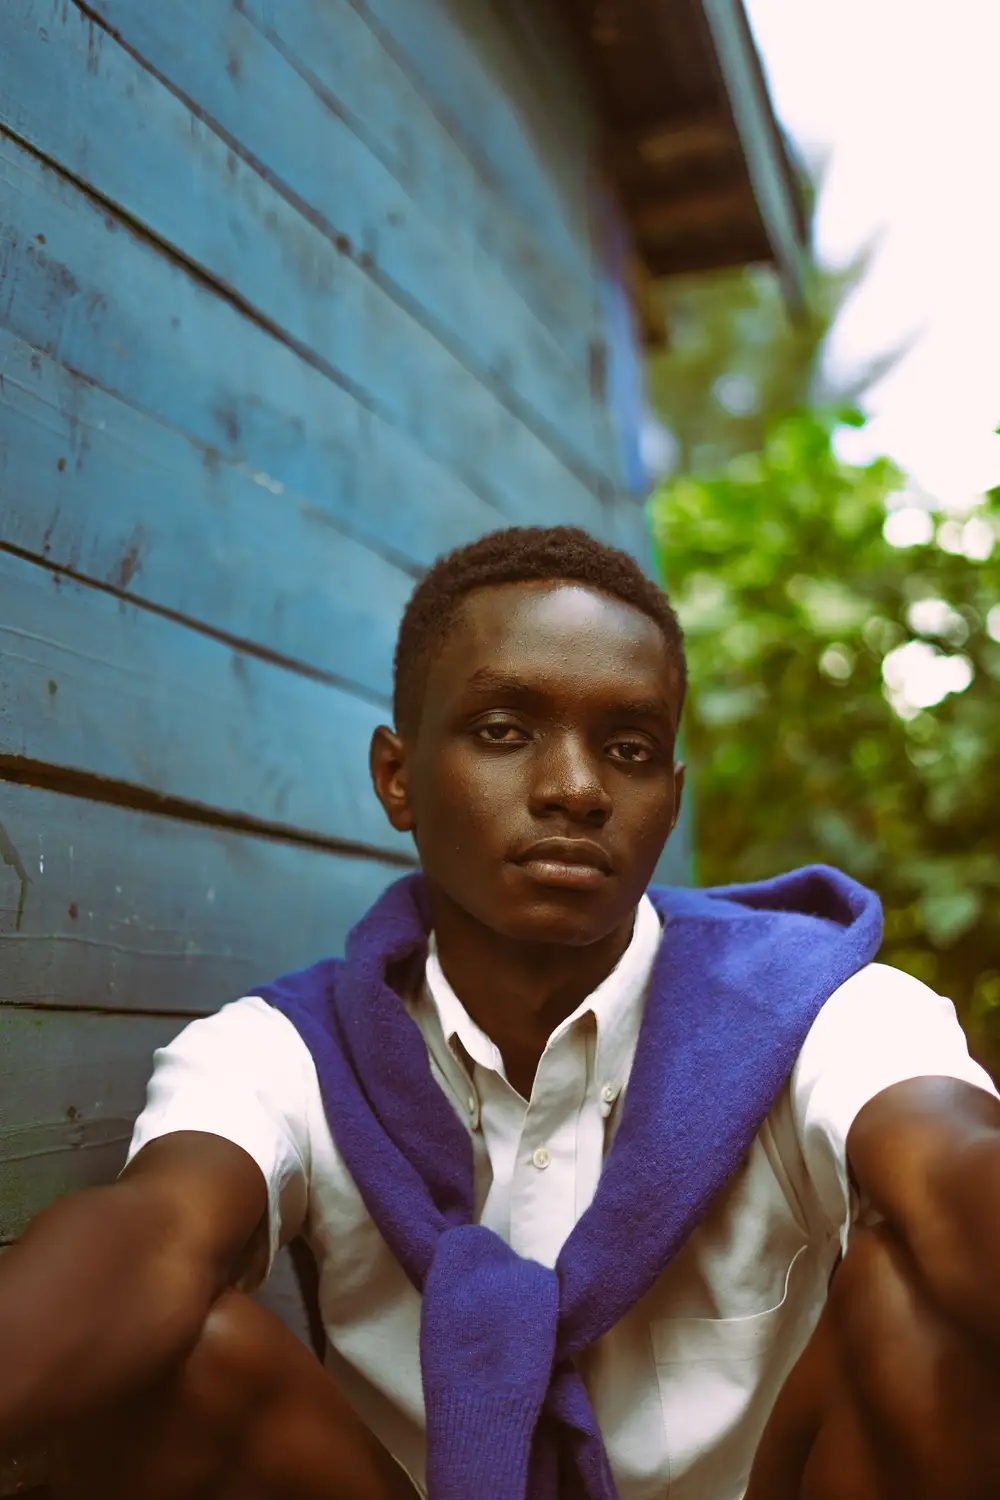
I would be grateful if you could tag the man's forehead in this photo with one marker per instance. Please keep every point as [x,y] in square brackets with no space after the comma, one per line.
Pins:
[552,606]
[541,634]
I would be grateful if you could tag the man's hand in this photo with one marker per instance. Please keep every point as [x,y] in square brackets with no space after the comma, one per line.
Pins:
[926,1154]
[109,1287]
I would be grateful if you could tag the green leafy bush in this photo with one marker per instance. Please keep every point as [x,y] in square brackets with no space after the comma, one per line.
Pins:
[845,698]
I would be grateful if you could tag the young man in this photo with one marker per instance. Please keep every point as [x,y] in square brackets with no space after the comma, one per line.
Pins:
[682,1102]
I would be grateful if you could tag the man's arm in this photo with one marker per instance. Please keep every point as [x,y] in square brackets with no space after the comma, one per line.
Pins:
[109,1286]
[926,1154]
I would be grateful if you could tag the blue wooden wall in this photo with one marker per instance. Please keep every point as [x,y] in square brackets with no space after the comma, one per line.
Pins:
[294,295]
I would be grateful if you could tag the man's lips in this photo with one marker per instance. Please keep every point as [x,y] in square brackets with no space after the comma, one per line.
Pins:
[578,864]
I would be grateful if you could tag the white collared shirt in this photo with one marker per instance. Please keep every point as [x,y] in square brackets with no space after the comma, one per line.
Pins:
[683,1385]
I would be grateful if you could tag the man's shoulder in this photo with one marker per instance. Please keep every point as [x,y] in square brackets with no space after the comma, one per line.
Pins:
[884,1009]
[882,984]
[240,1026]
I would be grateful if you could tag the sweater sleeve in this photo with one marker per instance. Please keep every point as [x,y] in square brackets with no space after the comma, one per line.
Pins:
[243,1074]
[880,1028]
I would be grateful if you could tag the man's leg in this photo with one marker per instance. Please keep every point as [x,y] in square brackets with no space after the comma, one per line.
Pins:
[890,1401]
[252,1415]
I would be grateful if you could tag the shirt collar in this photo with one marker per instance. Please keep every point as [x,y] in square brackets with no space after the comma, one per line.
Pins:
[616,1006]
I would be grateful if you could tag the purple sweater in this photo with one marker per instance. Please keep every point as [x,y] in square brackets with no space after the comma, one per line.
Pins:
[741,975]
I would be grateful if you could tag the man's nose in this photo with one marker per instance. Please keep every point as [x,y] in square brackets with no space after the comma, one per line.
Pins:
[569,780]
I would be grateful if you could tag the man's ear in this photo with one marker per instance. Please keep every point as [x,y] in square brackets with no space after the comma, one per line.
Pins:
[680,776]
[387,761]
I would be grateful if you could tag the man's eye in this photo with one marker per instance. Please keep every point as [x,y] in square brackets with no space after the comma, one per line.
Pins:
[632,751]
[500,734]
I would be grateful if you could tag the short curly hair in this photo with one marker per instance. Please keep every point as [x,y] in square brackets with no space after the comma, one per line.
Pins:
[518,554]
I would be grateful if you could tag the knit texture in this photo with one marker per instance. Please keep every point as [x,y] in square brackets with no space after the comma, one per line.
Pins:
[741,974]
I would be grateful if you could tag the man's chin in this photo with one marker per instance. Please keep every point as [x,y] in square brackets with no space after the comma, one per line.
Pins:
[565,918]
[527,913]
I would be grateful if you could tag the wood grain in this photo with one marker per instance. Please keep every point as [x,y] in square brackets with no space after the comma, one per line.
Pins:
[375,98]
[103,908]
[111,307]
[519,125]
[94,480]
[72,1087]
[304,265]
[91,684]
[94,487]
[435,251]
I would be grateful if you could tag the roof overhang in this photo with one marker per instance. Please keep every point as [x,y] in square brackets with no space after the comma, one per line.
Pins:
[695,151]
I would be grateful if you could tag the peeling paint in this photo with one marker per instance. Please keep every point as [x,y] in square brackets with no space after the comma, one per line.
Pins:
[257,476]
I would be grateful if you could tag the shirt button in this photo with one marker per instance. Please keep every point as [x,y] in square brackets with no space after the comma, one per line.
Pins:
[541,1158]
[471,1103]
[609,1093]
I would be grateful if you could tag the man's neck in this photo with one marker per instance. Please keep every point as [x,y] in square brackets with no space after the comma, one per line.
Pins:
[518,993]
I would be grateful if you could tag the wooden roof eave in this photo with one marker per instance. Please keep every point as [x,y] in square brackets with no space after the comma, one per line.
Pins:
[767,163]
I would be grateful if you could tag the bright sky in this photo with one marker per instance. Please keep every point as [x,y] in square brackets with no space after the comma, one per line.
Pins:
[905,97]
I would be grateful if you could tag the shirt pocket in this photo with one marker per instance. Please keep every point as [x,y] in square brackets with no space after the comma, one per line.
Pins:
[718,1379]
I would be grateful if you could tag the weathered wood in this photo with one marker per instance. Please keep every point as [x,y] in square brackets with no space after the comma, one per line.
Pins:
[89,683]
[464,61]
[107,492]
[378,101]
[88,482]
[103,908]
[107,302]
[436,260]
[770,176]
[189,190]
[72,1086]
[625,375]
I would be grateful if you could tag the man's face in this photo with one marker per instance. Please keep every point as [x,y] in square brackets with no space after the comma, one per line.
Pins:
[540,786]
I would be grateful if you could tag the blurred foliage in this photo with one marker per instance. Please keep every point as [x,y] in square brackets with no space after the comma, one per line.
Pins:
[794,603]
[735,360]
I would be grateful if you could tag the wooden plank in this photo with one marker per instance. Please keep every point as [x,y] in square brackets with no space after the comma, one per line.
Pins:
[108,304]
[625,373]
[203,366]
[380,103]
[88,481]
[103,908]
[452,271]
[92,684]
[464,60]
[189,190]
[451,275]
[104,491]
[199,366]
[771,174]
[98,488]
[201,196]
[72,1086]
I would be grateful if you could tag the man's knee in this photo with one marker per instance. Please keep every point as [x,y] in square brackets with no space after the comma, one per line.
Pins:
[234,1369]
[881,1322]
[170,1439]
[926,1387]
[867,1273]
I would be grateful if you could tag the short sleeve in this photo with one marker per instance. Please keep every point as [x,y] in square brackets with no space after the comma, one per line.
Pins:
[880,1028]
[246,1075]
